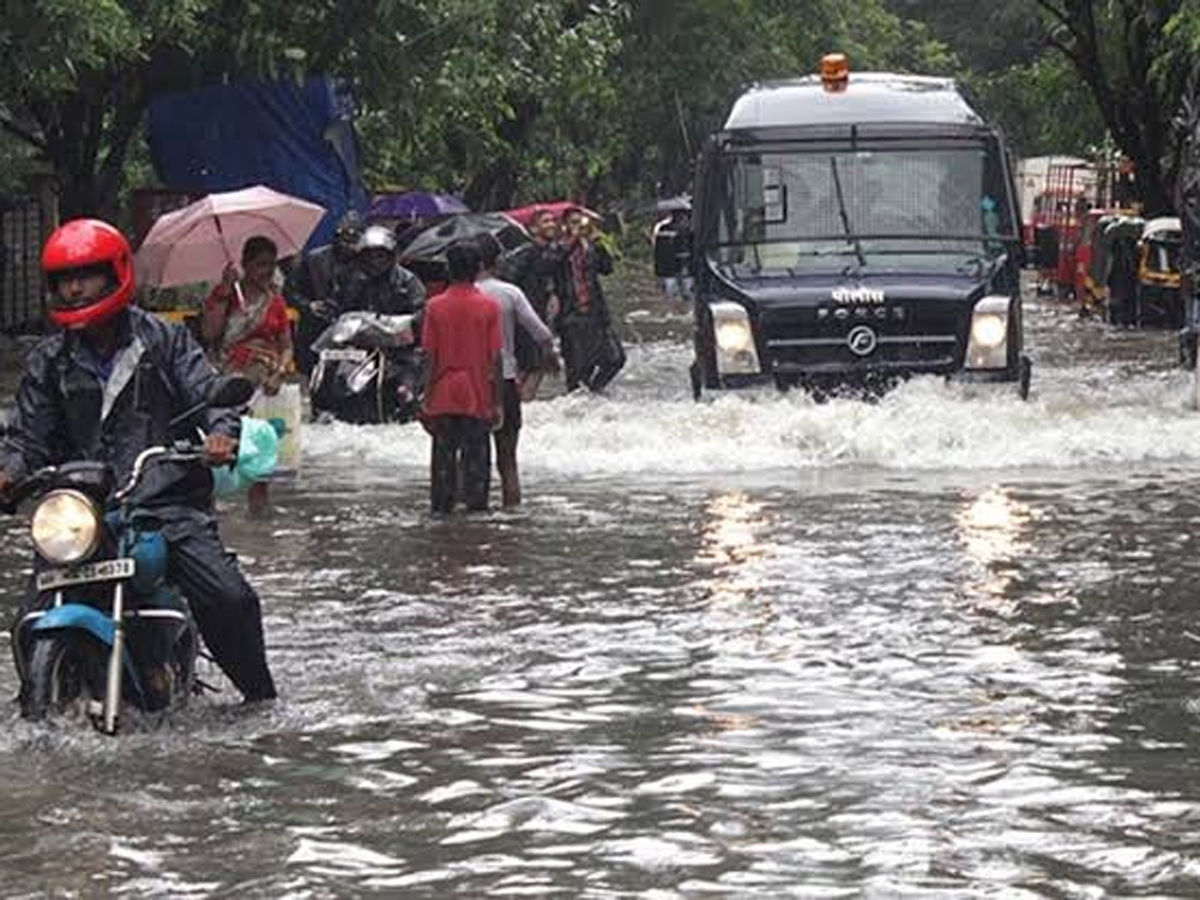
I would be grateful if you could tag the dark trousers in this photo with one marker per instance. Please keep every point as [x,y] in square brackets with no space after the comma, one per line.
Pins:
[462,448]
[225,606]
[592,352]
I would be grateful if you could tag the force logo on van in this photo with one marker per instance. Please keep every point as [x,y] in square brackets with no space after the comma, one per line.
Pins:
[845,295]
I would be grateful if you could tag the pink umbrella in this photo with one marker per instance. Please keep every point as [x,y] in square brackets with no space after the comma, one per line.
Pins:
[195,243]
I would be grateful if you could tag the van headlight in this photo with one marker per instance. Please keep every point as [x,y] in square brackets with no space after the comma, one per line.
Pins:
[988,345]
[734,339]
[65,527]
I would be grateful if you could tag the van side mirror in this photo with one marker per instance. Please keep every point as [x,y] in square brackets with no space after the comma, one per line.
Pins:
[672,253]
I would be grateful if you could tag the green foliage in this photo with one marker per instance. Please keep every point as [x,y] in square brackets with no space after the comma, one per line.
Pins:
[507,101]
[1042,107]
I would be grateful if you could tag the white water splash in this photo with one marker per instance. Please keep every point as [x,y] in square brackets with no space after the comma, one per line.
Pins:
[648,424]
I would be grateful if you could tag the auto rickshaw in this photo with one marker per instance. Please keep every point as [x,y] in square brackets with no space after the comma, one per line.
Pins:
[1090,263]
[1117,267]
[1159,298]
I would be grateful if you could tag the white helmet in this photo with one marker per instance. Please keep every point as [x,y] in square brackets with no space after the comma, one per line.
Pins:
[376,237]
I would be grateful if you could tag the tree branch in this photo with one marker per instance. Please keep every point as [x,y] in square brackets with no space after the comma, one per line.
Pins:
[1054,11]
[17,131]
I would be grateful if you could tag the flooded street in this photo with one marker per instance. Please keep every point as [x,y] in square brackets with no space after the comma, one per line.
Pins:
[941,645]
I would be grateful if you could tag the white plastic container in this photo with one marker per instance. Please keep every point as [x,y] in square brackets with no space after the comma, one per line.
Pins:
[286,407]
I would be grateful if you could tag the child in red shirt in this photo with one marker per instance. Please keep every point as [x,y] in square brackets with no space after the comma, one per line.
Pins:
[462,340]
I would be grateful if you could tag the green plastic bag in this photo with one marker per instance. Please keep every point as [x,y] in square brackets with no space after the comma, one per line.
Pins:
[258,452]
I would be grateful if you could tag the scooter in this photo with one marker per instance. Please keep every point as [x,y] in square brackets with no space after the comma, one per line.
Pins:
[109,623]
[367,370]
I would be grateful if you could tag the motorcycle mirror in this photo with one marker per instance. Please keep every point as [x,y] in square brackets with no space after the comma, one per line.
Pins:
[230,390]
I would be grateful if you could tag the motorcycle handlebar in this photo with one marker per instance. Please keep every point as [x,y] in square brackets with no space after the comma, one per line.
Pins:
[180,452]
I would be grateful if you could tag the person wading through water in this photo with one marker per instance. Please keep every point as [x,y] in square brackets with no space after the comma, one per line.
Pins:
[516,316]
[464,378]
[532,268]
[246,324]
[592,352]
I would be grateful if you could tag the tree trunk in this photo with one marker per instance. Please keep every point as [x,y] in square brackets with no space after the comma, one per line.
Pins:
[1127,96]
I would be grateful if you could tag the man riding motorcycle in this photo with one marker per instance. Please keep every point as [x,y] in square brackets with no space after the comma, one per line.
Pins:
[105,387]
[317,281]
[378,283]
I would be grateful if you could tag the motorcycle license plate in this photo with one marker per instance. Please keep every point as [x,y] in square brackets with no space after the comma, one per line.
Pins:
[106,570]
[349,354]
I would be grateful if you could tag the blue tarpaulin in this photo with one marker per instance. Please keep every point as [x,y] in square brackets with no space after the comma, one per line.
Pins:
[294,136]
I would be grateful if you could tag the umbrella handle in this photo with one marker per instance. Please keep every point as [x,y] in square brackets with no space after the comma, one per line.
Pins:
[237,284]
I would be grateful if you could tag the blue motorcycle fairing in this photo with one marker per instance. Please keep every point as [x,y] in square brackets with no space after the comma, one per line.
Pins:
[149,552]
[77,616]
[146,546]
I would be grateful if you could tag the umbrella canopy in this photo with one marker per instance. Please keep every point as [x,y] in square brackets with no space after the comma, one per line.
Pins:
[430,245]
[415,205]
[196,242]
[525,214]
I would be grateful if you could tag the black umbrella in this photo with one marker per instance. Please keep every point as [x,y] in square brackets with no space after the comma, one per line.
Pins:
[430,244]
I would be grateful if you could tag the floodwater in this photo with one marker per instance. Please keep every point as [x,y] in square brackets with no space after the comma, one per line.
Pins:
[940,645]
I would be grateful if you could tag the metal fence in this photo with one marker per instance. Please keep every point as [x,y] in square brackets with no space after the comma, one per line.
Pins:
[24,223]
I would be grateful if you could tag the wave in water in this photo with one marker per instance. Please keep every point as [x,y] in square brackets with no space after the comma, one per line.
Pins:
[649,424]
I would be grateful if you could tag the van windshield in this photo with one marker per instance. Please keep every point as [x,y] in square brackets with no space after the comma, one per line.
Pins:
[830,210]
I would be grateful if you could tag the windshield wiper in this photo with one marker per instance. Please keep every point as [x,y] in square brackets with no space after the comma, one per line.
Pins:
[850,236]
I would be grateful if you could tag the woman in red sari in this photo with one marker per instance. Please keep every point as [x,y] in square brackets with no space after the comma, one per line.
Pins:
[246,326]
[246,321]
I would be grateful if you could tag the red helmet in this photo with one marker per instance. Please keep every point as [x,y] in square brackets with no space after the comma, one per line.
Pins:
[96,248]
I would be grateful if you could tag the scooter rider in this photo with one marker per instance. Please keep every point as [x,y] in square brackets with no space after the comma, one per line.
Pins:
[314,285]
[379,283]
[104,387]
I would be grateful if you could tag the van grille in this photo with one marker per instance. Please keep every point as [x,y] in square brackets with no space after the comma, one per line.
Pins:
[904,336]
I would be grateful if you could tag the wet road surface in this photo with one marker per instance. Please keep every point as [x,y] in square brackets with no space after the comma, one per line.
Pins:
[940,645]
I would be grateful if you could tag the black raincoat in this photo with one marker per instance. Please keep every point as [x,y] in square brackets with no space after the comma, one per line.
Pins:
[397,292]
[73,406]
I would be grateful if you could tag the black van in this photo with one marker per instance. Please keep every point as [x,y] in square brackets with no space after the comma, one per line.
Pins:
[852,229]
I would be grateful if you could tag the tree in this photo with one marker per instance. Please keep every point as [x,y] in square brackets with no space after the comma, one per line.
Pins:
[1114,48]
[1019,83]
[497,99]
[682,63]
[77,75]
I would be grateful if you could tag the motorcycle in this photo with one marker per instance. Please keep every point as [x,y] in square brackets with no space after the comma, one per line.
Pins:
[108,617]
[367,370]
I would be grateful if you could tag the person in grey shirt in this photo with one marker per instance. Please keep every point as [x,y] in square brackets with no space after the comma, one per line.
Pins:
[515,312]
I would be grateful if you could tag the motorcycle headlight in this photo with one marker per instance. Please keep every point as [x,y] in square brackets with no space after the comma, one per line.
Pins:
[361,376]
[65,527]
[344,329]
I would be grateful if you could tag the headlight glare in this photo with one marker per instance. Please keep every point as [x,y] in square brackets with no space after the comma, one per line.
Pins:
[65,527]
[988,330]
[988,344]
[734,338]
